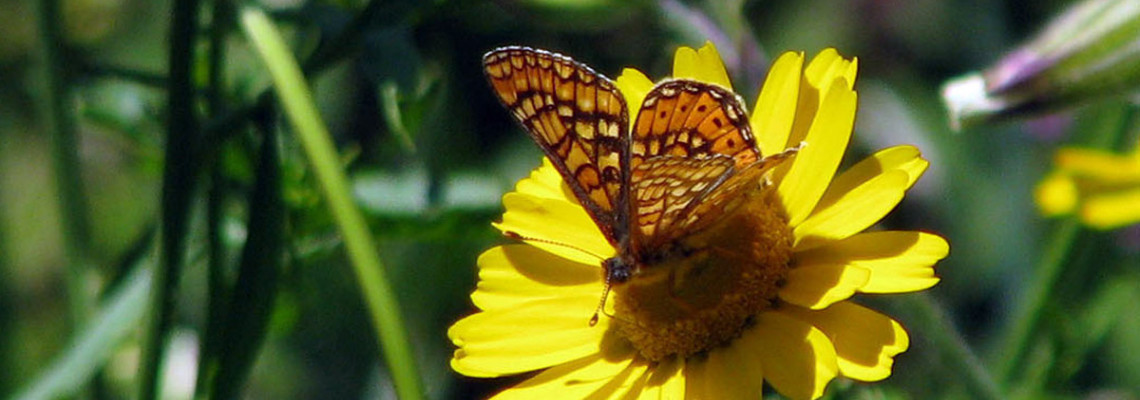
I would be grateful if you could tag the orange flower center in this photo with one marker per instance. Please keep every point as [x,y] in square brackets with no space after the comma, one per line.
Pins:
[705,292]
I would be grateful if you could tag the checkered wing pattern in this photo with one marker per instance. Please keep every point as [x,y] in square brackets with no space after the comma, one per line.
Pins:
[579,119]
[687,118]
[694,156]
[677,196]
[665,189]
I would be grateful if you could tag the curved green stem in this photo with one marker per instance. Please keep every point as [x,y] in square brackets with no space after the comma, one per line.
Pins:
[297,102]
[942,332]
[1112,125]
[219,292]
[1025,323]
[178,184]
[74,220]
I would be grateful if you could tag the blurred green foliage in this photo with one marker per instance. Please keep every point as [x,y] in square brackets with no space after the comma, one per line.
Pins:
[429,151]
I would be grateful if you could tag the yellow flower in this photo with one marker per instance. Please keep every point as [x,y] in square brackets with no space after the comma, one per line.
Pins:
[1102,188]
[535,298]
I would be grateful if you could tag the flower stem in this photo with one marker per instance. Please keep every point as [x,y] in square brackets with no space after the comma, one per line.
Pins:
[178,183]
[74,220]
[293,93]
[1025,322]
[937,325]
[222,14]
[1110,125]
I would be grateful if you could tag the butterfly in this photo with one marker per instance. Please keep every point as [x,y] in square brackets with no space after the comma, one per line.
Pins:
[688,156]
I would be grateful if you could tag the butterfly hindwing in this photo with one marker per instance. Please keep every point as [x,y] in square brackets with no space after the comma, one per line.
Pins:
[687,118]
[665,187]
[579,119]
[690,143]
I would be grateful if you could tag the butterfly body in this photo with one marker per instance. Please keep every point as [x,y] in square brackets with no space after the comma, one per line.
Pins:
[657,189]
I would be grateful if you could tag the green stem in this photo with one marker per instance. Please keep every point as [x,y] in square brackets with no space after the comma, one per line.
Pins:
[219,292]
[297,102]
[942,332]
[251,299]
[1032,304]
[111,326]
[178,185]
[1026,320]
[74,220]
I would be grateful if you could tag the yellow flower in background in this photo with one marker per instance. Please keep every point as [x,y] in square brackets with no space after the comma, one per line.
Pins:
[1102,188]
[783,259]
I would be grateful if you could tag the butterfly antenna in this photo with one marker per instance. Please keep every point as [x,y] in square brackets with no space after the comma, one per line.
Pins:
[608,281]
[517,236]
[602,302]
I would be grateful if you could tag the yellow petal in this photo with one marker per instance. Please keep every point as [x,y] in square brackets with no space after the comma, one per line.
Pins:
[628,389]
[853,211]
[807,105]
[1112,210]
[1099,165]
[561,227]
[633,85]
[850,72]
[776,106]
[866,342]
[821,65]
[534,335]
[813,167]
[514,274]
[828,67]
[799,360]
[904,158]
[597,374]
[818,285]
[545,182]
[704,65]
[666,381]
[1056,194]
[732,372]
[825,70]
[899,261]
[695,380]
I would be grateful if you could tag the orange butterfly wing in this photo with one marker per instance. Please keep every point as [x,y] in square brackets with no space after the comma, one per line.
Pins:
[579,119]
[693,119]
[694,154]
[690,153]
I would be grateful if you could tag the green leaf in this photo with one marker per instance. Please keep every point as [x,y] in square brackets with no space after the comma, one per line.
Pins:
[91,348]
[251,302]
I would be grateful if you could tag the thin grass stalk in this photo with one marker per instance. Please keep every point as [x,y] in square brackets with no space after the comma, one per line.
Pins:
[178,184]
[218,287]
[251,300]
[62,125]
[297,103]
[945,336]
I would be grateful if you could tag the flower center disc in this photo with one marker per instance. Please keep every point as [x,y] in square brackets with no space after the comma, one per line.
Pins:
[704,292]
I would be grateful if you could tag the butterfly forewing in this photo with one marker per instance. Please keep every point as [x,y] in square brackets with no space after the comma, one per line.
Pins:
[579,119]
[693,119]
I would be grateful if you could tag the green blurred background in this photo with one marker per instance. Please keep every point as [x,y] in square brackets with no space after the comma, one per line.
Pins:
[430,152]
